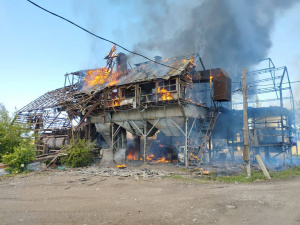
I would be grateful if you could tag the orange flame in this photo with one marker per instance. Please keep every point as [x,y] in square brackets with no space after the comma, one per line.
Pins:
[192,155]
[151,157]
[165,94]
[162,160]
[206,172]
[121,166]
[132,156]
[116,102]
[101,76]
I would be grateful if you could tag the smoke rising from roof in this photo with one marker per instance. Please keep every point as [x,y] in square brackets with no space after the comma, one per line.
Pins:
[226,33]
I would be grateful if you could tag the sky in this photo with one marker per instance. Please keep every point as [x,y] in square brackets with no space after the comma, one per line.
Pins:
[37,49]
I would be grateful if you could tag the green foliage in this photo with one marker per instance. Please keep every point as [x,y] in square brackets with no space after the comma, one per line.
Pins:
[79,153]
[20,158]
[10,135]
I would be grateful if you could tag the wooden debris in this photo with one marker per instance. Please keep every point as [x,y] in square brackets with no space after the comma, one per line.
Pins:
[262,166]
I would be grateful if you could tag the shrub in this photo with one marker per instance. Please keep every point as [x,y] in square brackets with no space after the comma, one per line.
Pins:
[79,153]
[10,135]
[20,158]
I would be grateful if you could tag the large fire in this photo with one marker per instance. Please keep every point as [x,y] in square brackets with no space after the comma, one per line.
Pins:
[105,75]
[132,155]
[101,76]
[165,94]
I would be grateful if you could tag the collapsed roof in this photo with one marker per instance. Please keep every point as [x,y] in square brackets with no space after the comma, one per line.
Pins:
[146,71]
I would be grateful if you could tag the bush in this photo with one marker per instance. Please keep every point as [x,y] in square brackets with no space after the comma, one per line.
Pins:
[10,135]
[20,158]
[79,153]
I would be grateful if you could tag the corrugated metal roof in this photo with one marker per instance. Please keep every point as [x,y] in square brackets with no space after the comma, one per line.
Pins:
[152,70]
[48,100]
[145,72]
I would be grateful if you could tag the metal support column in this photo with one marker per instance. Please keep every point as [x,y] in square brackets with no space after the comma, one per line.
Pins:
[209,150]
[112,136]
[281,122]
[246,155]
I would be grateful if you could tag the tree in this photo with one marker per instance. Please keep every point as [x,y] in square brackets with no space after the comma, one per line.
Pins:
[10,135]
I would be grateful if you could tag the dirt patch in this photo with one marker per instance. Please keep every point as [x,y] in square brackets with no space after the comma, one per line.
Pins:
[86,197]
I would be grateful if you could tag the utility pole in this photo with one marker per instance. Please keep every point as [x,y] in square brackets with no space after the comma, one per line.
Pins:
[246,156]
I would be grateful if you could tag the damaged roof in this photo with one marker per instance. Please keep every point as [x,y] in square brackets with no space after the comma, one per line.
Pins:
[146,71]
[150,71]
[48,100]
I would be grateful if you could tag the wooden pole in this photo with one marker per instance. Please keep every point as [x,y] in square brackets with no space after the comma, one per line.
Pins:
[186,143]
[145,140]
[246,156]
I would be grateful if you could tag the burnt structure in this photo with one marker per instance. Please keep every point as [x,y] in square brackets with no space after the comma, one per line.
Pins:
[170,110]
[175,102]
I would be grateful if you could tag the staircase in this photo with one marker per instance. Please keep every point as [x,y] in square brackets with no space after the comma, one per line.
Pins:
[204,131]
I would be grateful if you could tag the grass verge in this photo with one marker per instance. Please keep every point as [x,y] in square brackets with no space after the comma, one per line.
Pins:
[259,176]
[256,176]
[186,179]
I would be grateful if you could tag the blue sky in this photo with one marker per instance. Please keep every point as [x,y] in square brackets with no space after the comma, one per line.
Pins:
[37,49]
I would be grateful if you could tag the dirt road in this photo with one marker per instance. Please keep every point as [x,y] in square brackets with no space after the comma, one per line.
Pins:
[70,198]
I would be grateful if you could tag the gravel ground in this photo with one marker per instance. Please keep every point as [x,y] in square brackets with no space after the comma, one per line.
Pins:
[143,196]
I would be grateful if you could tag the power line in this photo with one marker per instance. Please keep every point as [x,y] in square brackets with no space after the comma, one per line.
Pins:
[104,39]
[292,82]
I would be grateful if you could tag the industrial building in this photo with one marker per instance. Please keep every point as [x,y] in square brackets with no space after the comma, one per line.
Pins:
[170,110]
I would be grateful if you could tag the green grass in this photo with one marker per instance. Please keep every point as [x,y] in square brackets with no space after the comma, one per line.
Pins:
[284,174]
[242,178]
[186,179]
[256,176]
[259,176]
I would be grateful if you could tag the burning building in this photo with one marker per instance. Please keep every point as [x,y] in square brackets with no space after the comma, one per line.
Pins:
[159,111]
[171,100]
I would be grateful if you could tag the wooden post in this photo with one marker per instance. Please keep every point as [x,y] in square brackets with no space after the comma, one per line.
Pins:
[145,139]
[246,156]
[209,150]
[262,166]
[186,142]
[112,136]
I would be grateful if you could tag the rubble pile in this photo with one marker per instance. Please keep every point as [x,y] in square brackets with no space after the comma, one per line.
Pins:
[117,172]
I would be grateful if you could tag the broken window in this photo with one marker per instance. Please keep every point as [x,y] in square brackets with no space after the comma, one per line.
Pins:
[148,93]
[167,90]
[113,98]
[169,85]
[128,93]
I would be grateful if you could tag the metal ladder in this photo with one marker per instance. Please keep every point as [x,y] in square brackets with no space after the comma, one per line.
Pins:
[204,131]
